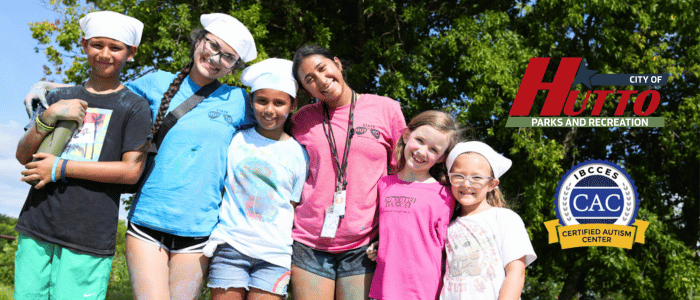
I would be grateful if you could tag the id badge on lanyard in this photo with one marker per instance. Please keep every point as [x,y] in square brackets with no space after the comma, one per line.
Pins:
[336,210]
[334,213]
[339,203]
[330,224]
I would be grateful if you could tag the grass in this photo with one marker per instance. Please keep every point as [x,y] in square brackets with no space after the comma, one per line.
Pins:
[119,285]
[7,292]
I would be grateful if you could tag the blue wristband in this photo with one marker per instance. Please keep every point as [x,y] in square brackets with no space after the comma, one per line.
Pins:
[53,169]
[63,171]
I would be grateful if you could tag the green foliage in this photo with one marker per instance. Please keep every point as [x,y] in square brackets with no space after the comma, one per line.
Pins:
[8,248]
[468,58]
[119,284]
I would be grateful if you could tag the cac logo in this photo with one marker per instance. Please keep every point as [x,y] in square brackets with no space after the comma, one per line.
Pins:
[596,205]
[597,192]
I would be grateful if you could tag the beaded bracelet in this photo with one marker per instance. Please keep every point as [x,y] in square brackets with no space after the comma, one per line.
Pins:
[40,123]
[53,169]
[63,171]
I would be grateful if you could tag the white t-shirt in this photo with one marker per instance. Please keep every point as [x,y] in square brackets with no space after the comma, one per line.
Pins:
[256,215]
[478,249]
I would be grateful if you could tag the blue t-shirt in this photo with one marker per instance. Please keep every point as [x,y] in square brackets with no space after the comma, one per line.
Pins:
[183,191]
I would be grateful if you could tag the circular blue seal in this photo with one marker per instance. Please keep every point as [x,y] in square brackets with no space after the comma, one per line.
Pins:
[596,192]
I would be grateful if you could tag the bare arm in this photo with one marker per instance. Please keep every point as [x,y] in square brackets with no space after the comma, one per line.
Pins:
[30,143]
[73,110]
[126,171]
[515,280]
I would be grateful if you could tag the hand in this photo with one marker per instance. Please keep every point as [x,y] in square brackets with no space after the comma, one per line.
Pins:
[73,110]
[40,169]
[372,251]
[37,96]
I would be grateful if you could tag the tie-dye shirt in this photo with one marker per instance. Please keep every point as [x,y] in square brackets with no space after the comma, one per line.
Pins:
[256,215]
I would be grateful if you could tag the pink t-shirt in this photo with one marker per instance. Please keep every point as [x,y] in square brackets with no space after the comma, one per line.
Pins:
[378,124]
[413,221]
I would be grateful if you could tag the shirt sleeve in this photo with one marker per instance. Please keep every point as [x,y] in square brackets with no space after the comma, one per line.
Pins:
[381,188]
[249,113]
[137,125]
[398,124]
[301,177]
[140,85]
[516,242]
[443,220]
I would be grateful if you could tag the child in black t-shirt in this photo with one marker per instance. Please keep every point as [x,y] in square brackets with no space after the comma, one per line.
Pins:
[68,224]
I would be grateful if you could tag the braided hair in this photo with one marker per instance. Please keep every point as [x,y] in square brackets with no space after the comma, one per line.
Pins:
[197,36]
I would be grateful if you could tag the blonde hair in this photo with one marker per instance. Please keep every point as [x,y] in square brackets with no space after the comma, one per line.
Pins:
[495,198]
[443,123]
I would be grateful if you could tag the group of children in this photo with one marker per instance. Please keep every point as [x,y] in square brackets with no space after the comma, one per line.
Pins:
[442,231]
[487,247]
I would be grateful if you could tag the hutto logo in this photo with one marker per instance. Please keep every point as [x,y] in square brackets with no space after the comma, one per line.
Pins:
[561,98]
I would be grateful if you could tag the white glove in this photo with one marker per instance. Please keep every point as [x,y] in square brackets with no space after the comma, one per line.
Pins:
[37,96]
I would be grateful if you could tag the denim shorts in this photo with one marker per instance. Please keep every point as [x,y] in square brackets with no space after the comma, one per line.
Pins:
[332,265]
[231,269]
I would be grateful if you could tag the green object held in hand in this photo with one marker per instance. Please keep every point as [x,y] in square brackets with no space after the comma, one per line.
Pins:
[56,141]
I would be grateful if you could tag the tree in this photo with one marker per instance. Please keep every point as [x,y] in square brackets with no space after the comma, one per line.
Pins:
[468,57]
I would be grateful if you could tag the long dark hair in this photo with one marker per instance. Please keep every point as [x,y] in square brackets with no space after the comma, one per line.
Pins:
[442,122]
[308,50]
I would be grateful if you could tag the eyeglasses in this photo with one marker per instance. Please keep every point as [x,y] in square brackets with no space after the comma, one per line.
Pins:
[475,181]
[213,49]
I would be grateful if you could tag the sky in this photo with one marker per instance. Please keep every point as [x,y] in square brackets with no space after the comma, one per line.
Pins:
[21,67]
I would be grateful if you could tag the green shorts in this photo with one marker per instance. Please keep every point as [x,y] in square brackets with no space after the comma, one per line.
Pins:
[44,270]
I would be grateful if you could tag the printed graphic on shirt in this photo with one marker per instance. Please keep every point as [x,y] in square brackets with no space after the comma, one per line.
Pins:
[258,181]
[396,203]
[474,255]
[86,142]
[221,116]
[367,131]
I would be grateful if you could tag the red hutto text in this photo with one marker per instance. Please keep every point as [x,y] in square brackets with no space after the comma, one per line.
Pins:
[560,96]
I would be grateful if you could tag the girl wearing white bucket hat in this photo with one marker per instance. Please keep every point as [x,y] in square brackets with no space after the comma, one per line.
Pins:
[251,246]
[176,207]
[177,202]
